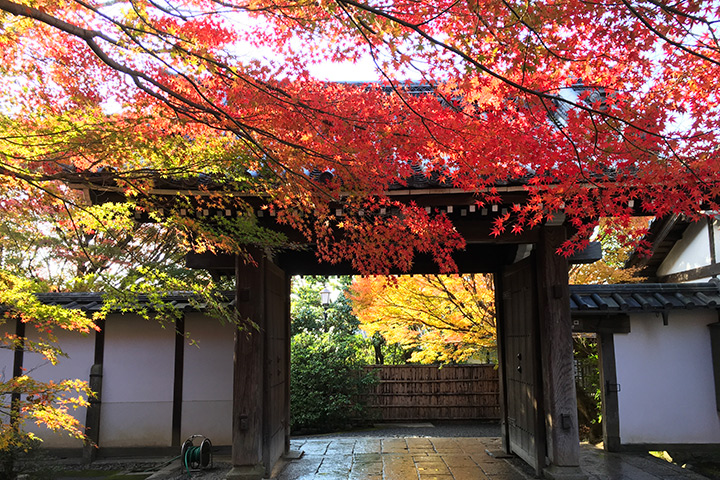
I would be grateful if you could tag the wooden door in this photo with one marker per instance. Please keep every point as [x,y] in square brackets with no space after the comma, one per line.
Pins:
[523,383]
[276,405]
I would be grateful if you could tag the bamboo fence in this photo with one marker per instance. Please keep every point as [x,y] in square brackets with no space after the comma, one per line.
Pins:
[426,392]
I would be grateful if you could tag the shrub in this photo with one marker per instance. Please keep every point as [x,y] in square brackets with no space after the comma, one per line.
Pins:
[328,385]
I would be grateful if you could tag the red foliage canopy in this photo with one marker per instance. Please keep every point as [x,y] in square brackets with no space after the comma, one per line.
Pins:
[596,104]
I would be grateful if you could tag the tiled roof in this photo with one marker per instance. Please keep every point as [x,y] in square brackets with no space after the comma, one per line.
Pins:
[584,299]
[643,297]
[92,302]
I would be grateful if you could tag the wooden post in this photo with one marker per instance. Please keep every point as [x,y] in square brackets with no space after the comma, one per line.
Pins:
[18,359]
[178,377]
[502,361]
[248,378]
[563,441]
[610,388]
[288,289]
[92,415]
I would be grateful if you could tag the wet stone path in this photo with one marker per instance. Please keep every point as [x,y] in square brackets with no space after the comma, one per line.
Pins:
[456,458]
[398,459]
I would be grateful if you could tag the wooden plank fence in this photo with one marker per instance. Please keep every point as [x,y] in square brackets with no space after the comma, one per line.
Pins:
[426,392]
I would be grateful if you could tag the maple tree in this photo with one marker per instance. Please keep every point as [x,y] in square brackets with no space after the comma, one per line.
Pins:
[595,108]
[616,245]
[594,105]
[439,318]
[52,248]
[23,398]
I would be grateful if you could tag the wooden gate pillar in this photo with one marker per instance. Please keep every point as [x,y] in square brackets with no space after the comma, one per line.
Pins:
[248,376]
[563,442]
[261,406]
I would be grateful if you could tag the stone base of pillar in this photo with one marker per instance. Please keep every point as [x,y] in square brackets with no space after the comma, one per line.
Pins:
[89,453]
[247,472]
[554,472]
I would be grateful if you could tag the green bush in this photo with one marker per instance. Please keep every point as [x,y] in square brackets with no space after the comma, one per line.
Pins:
[587,386]
[328,384]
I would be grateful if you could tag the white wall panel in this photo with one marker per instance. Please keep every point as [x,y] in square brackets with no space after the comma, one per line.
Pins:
[79,349]
[692,251]
[138,371]
[666,379]
[208,378]
[6,355]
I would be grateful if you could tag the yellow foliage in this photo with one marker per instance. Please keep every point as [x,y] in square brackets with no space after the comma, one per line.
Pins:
[441,318]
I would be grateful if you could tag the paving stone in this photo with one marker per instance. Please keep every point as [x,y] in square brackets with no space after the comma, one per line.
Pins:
[339,465]
[371,458]
[367,445]
[315,447]
[467,472]
[418,441]
[427,458]
[459,460]
[510,475]
[418,458]
[497,469]
[432,469]
[394,445]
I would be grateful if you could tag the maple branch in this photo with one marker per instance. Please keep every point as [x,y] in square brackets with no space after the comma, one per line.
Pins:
[664,37]
[484,69]
[185,105]
[536,33]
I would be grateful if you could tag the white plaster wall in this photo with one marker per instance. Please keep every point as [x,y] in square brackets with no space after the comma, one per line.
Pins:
[692,251]
[6,355]
[208,378]
[138,371]
[79,349]
[666,378]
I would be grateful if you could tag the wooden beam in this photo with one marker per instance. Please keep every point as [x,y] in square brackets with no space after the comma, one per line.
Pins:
[692,274]
[563,442]
[211,261]
[476,258]
[715,351]
[607,323]
[591,254]
[286,366]
[18,359]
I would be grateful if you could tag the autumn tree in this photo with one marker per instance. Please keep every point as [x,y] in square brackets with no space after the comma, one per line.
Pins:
[53,247]
[601,105]
[439,318]
[23,399]
[617,246]
[596,109]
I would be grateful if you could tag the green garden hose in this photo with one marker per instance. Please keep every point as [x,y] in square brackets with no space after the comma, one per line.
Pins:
[196,456]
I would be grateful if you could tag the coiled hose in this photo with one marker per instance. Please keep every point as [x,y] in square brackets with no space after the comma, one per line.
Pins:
[196,456]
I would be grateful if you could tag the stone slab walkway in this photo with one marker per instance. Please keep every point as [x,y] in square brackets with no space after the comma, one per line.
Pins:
[398,459]
[422,458]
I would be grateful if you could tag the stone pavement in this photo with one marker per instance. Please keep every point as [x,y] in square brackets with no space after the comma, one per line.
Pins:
[398,459]
[598,464]
[422,458]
